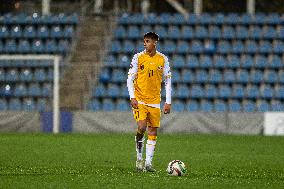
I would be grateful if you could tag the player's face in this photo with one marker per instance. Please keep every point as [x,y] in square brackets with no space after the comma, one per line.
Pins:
[149,44]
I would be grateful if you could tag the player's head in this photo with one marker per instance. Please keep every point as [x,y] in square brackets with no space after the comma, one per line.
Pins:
[150,41]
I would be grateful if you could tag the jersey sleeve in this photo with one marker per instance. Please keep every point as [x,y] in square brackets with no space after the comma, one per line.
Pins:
[132,75]
[168,81]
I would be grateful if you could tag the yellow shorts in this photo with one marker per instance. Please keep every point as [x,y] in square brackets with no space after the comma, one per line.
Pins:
[151,114]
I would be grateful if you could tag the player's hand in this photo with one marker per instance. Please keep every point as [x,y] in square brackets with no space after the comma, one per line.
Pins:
[167,108]
[134,103]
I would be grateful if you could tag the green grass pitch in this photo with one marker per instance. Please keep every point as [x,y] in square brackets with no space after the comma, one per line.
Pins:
[108,160]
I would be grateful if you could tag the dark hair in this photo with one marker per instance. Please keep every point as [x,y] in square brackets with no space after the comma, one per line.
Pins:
[152,35]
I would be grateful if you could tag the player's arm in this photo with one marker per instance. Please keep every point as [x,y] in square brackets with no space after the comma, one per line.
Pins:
[168,86]
[131,76]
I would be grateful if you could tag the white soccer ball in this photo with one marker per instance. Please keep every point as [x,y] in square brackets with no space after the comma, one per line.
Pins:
[176,168]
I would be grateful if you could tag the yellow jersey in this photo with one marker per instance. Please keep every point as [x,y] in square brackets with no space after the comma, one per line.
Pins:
[149,72]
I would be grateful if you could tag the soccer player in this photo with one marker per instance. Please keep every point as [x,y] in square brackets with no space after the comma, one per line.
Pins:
[144,80]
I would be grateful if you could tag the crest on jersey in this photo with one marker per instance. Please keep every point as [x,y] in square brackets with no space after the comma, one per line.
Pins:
[142,67]
[160,67]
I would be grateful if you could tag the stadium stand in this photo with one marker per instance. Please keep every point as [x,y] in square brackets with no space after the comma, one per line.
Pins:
[27,84]
[219,62]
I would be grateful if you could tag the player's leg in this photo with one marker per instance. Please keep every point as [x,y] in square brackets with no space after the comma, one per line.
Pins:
[154,120]
[140,117]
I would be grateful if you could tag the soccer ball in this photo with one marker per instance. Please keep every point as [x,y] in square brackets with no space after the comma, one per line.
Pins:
[176,168]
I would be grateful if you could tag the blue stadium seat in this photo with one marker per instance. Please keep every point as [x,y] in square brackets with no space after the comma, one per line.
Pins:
[145,29]
[263,106]
[26,75]
[249,106]
[192,19]
[133,32]
[123,61]
[113,91]
[124,92]
[278,46]
[220,106]
[128,46]
[178,61]
[268,32]
[192,106]
[277,106]
[169,46]
[205,19]
[20,90]
[63,46]
[187,76]
[242,32]
[3,105]
[201,76]
[174,32]
[118,76]
[255,32]
[196,46]
[178,106]
[161,30]
[124,19]
[99,91]
[182,91]
[6,90]
[281,76]
[29,31]
[231,18]
[214,32]
[205,62]
[16,32]
[280,32]
[182,47]
[38,46]
[151,18]
[237,46]
[275,62]
[224,47]
[209,47]
[206,106]
[46,90]
[122,105]
[251,46]
[225,92]
[279,92]
[108,105]
[34,89]
[200,32]
[247,61]
[2,74]
[164,18]
[139,46]
[178,19]
[229,76]
[188,33]
[50,46]
[215,76]
[266,91]
[234,106]
[270,76]
[256,76]
[238,91]
[273,19]
[233,62]
[4,31]
[56,31]
[220,62]
[28,104]
[15,104]
[68,31]
[115,47]
[218,18]
[176,76]
[196,91]
[252,92]
[210,91]
[261,62]
[265,47]
[94,105]
[120,32]
[228,32]
[41,105]
[43,32]
[12,75]
[192,61]
[10,46]
[23,46]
